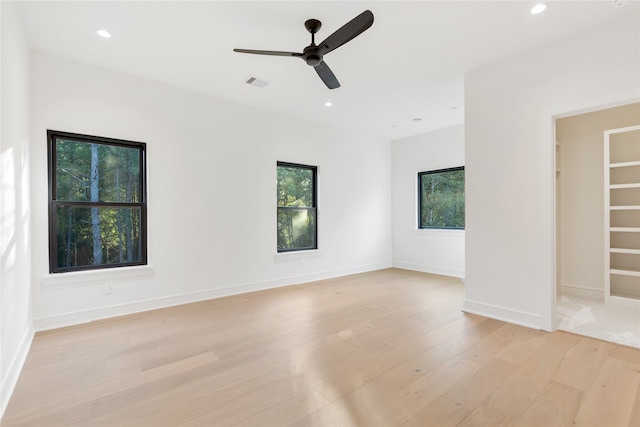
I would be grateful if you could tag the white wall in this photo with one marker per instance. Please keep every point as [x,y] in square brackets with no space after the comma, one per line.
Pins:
[16,329]
[432,251]
[211,179]
[581,160]
[509,150]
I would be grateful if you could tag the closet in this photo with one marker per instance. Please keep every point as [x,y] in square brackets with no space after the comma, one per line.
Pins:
[598,224]
[598,206]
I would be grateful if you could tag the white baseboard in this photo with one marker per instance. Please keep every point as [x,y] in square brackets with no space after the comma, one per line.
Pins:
[444,271]
[529,320]
[582,292]
[15,367]
[76,318]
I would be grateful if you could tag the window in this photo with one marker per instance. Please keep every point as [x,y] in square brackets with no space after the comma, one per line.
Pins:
[441,198]
[97,202]
[297,214]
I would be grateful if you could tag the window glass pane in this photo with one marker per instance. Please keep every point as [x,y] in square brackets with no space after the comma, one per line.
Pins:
[296,229]
[442,199]
[295,186]
[98,236]
[97,172]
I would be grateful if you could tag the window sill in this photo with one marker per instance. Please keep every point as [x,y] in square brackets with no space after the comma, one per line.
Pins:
[296,255]
[107,274]
[438,232]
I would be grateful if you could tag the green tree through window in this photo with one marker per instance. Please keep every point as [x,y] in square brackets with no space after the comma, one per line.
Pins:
[441,198]
[97,204]
[296,206]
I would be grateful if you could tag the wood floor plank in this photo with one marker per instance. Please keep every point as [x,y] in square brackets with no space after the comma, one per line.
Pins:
[556,405]
[430,334]
[206,400]
[441,412]
[494,340]
[631,355]
[287,412]
[424,363]
[505,405]
[582,363]
[474,388]
[359,407]
[634,418]
[527,342]
[610,399]
[384,348]
[411,399]
[60,401]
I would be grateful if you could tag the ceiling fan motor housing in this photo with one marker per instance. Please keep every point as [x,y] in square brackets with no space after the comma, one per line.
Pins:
[312,56]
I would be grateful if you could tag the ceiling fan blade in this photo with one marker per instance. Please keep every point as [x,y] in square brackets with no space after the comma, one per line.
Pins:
[327,75]
[269,52]
[347,32]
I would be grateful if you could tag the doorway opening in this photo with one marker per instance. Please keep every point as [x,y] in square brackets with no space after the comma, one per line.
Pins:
[583,305]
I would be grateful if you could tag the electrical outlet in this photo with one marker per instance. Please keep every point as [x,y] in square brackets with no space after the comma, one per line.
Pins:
[108,288]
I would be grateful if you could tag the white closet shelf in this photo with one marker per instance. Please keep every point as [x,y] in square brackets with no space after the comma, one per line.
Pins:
[619,186]
[624,251]
[625,208]
[624,164]
[626,229]
[625,272]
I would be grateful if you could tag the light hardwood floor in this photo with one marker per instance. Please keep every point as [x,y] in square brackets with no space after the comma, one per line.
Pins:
[387,348]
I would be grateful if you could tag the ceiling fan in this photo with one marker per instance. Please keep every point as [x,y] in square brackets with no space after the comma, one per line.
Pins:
[313,54]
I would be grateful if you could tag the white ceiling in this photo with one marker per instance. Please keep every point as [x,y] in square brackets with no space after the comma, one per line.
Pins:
[410,64]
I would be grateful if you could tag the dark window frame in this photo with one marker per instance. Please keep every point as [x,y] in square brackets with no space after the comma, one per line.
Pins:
[54,203]
[431,172]
[313,207]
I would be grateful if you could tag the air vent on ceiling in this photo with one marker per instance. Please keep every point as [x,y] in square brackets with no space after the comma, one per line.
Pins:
[255,82]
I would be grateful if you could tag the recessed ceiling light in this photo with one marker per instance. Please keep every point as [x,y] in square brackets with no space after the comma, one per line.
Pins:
[104,33]
[328,104]
[539,8]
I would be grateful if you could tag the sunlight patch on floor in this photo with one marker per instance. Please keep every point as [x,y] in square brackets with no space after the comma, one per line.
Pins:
[591,318]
